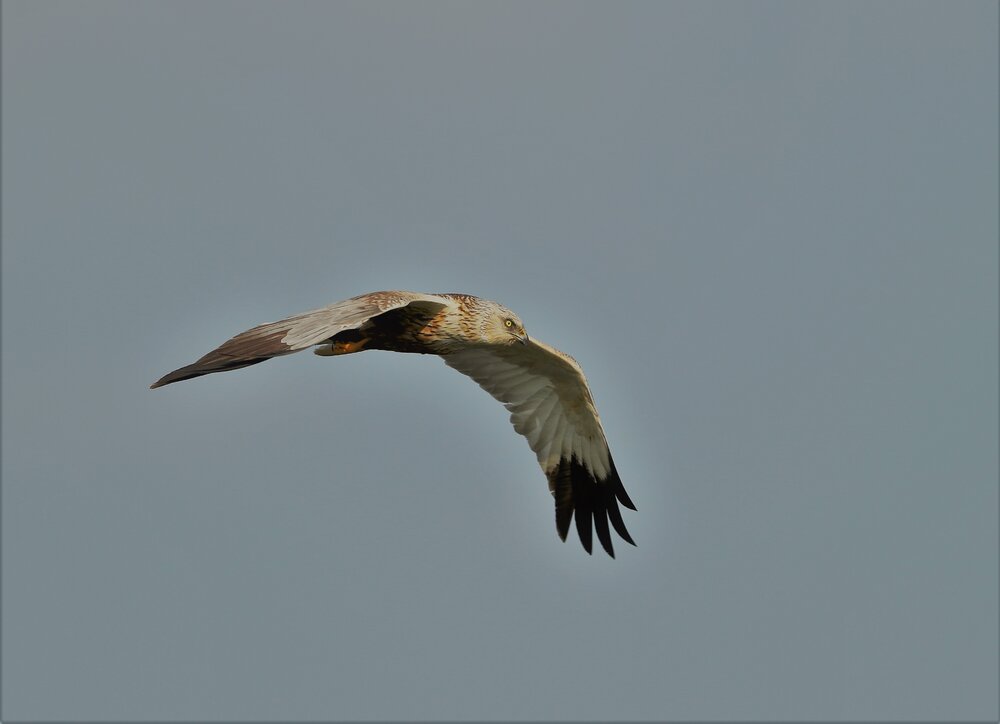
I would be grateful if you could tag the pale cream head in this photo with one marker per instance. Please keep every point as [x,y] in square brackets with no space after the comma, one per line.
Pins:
[501,326]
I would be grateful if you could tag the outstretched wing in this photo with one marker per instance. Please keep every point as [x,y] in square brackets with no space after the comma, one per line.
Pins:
[300,332]
[551,405]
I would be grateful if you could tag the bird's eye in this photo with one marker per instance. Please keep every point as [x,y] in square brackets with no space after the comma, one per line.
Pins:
[508,323]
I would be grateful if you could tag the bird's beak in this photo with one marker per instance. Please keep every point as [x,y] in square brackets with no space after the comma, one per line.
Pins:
[524,338]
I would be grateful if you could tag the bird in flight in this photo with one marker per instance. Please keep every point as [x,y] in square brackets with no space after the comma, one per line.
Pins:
[544,389]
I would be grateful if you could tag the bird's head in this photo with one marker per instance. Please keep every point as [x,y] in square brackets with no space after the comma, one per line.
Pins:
[502,326]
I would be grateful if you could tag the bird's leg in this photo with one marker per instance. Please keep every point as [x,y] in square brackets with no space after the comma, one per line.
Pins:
[341,347]
[347,345]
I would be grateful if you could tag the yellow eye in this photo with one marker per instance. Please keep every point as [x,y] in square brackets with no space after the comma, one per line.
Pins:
[507,323]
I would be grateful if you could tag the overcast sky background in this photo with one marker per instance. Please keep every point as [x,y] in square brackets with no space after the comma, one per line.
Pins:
[768,232]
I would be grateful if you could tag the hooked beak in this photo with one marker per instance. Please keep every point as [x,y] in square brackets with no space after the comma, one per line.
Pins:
[523,338]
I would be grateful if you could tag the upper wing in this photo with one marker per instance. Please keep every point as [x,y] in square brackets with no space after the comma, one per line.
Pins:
[299,332]
[551,405]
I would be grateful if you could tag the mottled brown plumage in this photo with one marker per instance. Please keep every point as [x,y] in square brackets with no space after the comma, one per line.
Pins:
[544,390]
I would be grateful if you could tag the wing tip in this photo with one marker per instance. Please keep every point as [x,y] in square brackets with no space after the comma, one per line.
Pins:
[171,377]
[624,499]
[593,503]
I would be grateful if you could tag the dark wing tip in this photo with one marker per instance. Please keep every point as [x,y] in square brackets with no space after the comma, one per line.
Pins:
[201,367]
[623,497]
[184,373]
[619,489]
[564,516]
[247,348]
[603,534]
[578,493]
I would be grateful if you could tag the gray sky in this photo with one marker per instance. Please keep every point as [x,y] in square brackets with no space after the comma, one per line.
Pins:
[768,231]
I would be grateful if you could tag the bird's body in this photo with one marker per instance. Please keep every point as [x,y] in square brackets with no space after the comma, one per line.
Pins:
[423,325]
[544,389]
